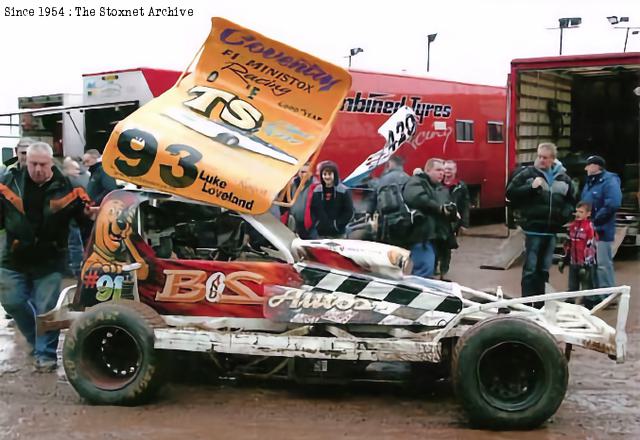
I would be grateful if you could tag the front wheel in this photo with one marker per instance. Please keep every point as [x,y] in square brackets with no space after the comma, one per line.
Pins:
[109,355]
[509,373]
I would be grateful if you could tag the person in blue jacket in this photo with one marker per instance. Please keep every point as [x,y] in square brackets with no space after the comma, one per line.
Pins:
[602,190]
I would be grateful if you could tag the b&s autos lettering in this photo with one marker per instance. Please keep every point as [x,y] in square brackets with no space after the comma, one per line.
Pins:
[191,286]
[313,300]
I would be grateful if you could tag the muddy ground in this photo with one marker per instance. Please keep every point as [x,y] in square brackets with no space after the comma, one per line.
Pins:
[603,400]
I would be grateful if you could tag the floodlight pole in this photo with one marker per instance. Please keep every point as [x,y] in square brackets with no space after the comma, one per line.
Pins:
[567,22]
[626,38]
[430,39]
[353,52]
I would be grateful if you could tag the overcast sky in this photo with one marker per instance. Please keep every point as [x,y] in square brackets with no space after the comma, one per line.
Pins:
[475,43]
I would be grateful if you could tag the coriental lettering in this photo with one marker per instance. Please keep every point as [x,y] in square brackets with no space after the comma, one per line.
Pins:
[236,37]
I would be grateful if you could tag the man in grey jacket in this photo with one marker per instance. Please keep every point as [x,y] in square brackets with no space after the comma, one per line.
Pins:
[388,201]
[393,173]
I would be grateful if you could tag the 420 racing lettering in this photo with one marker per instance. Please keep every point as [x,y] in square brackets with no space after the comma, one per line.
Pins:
[399,132]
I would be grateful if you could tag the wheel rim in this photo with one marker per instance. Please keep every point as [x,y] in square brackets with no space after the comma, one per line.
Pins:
[511,376]
[111,357]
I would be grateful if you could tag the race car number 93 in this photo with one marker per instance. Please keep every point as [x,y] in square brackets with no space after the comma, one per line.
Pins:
[140,149]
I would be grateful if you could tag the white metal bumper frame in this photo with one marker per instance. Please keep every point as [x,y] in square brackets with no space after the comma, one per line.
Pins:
[568,323]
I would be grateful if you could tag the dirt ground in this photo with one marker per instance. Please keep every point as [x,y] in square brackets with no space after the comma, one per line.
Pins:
[603,400]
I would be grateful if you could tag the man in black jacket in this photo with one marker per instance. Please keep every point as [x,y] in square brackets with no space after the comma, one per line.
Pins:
[459,195]
[421,193]
[36,205]
[544,194]
[331,204]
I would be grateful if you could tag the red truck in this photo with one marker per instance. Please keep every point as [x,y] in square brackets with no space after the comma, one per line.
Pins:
[459,121]
[585,104]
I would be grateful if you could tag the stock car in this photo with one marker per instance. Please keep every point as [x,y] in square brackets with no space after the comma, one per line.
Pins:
[197,262]
[165,273]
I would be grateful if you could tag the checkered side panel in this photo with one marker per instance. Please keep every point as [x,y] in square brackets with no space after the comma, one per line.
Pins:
[394,303]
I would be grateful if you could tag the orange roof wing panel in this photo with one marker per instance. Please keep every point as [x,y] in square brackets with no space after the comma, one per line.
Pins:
[235,131]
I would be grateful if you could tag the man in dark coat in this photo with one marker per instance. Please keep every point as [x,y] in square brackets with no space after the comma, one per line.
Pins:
[544,195]
[36,205]
[420,194]
[331,204]
[459,195]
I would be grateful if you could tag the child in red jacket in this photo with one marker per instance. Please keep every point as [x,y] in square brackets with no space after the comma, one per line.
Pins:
[580,250]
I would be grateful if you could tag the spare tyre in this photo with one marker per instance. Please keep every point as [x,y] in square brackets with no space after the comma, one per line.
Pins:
[109,356]
[509,373]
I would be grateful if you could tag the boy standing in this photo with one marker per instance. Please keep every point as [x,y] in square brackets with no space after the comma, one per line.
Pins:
[580,251]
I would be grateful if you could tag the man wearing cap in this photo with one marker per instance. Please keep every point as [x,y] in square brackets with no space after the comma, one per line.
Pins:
[602,190]
[21,155]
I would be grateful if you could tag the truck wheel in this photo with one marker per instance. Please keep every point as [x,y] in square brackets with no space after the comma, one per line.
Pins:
[509,373]
[109,354]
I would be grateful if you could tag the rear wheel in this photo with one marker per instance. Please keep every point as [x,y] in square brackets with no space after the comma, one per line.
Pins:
[109,354]
[509,373]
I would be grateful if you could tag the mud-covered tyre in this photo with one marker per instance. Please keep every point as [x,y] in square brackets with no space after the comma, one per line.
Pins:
[109,356]
[509,373]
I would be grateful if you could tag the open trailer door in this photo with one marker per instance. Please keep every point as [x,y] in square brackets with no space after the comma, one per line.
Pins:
[236,131]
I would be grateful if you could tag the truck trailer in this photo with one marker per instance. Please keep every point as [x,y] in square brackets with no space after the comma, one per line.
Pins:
[74,123]
[586,105]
